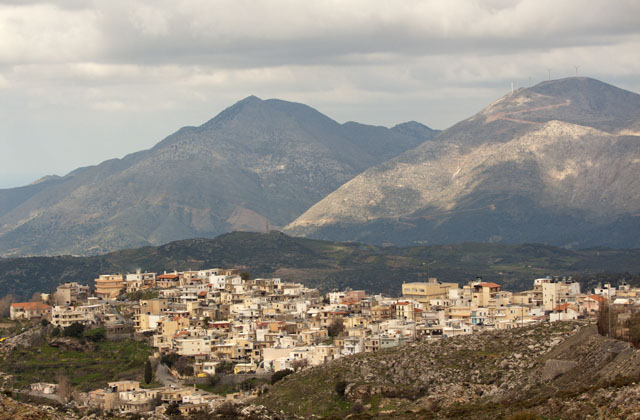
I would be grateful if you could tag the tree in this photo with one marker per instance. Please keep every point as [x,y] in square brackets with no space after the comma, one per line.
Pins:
[279,375]
[607,318]
[633,324]
[148,374]
[5,304]
[183,367]
[74,330]
[172,409]
[245,275]
[36,297]
[64,388]
[336,327]
[299,364]
[169,359]
[341,387]
[96,334]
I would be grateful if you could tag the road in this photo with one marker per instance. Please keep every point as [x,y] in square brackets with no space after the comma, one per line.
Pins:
[165,377]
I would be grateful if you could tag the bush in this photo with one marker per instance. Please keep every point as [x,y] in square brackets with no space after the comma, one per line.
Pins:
[74,330]
[227,410]
[169,359]
[357,408]
[213,379]
[336,327]
[341,387]
[96,334]
[279,375]
[183,367]
[172,409]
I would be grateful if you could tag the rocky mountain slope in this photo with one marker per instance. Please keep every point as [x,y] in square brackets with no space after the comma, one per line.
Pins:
[560,370]
[557,163]
[258,163]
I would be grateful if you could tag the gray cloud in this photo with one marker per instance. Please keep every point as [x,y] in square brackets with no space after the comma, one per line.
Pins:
[84,81]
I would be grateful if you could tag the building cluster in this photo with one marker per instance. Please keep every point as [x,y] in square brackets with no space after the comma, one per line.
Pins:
[219,317]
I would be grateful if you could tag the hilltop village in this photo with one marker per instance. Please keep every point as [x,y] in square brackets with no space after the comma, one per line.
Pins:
[221,321]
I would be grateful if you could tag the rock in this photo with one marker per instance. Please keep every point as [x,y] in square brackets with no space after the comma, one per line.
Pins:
[554,368]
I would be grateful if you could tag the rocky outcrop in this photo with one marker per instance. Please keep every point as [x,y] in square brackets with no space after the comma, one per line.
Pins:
[553,370]
[72,344]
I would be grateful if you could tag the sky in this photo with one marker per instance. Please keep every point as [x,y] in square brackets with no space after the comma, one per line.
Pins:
[84,81]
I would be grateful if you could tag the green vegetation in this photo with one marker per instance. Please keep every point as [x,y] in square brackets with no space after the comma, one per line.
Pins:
[280,375]
[142,294]
[328,265]
[74,330]
[108,361]
[148,374]
[96,334]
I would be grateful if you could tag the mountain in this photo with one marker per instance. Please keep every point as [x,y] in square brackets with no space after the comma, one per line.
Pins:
[328,265]
[258,163]
[558,163]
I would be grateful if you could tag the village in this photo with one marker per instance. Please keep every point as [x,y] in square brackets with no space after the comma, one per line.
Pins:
[221,321]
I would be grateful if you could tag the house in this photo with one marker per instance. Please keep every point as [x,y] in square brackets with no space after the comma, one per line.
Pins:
[43,388]
[109,286]
[564,312]
[64,316]
[29,310]
[423,292]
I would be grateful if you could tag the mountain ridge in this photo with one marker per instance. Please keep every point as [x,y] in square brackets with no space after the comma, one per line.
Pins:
[257,163]
[330,265]
[528,150]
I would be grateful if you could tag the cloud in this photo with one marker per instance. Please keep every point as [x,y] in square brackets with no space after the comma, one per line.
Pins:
[154,65]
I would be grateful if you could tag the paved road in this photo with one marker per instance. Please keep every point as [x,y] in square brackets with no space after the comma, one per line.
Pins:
[165,377]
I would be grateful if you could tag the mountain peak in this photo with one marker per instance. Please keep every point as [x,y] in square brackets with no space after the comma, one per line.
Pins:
[250,99]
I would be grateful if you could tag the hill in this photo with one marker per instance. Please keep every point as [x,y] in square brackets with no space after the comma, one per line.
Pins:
[556,163]
[329,265]
[258,163]
[548,371]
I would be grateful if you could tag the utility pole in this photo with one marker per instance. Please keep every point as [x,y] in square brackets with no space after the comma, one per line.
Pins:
[609,313]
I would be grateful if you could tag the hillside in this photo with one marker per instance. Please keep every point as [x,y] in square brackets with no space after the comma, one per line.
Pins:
[258,163]
[556,163]
[329,265]
[548,371]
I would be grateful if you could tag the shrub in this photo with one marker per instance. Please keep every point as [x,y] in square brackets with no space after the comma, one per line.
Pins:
[341,387]
[74,330]
[172,409]
[357,408]
[96,334]
[279,375]
[169,359]
[148,374]
[336,327]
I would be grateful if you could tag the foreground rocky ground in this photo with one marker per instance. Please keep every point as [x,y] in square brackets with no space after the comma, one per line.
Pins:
[550,371]
[563,370]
